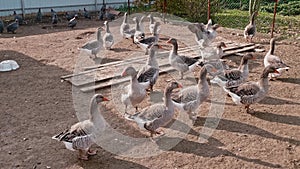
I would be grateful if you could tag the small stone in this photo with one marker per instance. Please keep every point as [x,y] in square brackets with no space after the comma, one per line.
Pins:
[24,139]
[29,148]
[34,167]
[38,163]
[48,167]
[9,153]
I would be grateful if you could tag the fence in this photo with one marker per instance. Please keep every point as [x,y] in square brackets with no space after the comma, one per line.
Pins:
[31,6]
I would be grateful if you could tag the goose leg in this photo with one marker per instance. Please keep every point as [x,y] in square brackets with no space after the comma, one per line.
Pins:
[83,155]
[248,110]
[181,75]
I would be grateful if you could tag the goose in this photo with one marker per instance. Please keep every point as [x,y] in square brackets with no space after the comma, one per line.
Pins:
[1,26]
[39,15]
[93,47]
[12,27]
[147,42]
[86,14]
[54,19]
[52,11]
[151,24]
[125,28]
[179,62]
[73,22]
[82,134]
[250,29]
[108,39]
[156,115]
[213,53]
[150,71]
[69,16]
[142,26]
[201,36]
[109,16]
[19,18]
[138,34]
[212,32]
[192,97]
[271,59]
[234,77]
[136,92]
[251,92]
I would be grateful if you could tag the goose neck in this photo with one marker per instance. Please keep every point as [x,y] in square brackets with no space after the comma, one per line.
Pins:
[175,48]
[168,100]
[272,47]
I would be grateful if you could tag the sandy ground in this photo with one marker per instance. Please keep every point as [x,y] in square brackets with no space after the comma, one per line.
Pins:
[36,104]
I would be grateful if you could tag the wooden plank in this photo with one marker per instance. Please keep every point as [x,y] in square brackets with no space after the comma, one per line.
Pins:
[182,50]
[239,51]
[119,81]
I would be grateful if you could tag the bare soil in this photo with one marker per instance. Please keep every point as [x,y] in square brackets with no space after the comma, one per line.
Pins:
[36,104]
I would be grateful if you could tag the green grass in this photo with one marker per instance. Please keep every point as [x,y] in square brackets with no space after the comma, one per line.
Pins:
[238,19]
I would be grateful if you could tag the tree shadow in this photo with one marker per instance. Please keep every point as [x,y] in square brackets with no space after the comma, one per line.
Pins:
[209,149]
[237,127]
[285,119]
[276,101]
[120,50]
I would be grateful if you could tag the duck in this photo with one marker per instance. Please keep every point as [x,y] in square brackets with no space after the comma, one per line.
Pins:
[147,42]
[234,77]
[125,28]
[109,16]
[190,98]
[150,71]
[81,135]
[73,22]
[12,27]
[138,34]
[213,53]
[54,19]
[136,92]
[93,47]
[151,24]
[179,62]
[86,14]
[271,59]
[250,29]
[19,18]
[69,16]
[156,115]
[108,39]
[251,92]
[1,26]
[39,16]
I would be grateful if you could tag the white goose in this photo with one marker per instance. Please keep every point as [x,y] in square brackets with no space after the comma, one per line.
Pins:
[125,28]
[93,47]
[138,34]
[192,97]
[271,59]
[151,23]
[179,62]
[213,53]
[136,92]
[234,77]
[108,39]
[157,115]
[251,92]
[146,43]
[82,134]
[150,71]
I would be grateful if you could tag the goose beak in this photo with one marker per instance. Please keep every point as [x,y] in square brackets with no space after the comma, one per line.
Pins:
[160,47]
[123,74]
[169,41]
[105,99]
[179,86]
[276,71]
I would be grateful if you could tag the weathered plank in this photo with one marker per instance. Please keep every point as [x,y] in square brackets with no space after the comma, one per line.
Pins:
[118,81]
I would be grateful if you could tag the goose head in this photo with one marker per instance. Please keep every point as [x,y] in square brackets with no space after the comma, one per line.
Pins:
[98,98]
[269,69]
[172,41]
[129,71]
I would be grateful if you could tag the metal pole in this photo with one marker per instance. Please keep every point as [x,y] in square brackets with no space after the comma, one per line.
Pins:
[273,23]
[128,5]
[96,5]
[208,9]
[23,8]
[164,10]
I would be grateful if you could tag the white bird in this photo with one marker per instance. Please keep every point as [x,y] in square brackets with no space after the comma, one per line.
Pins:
[108,39]
[136,92]
[125,28]
[93,47]
[82,134]
[138,34]
[146,43]
[271,59]
[151,23]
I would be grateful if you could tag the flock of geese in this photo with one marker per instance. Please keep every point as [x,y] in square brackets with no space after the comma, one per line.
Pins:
[234,81]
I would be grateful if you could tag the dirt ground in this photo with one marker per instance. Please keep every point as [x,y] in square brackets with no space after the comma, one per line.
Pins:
[36,104]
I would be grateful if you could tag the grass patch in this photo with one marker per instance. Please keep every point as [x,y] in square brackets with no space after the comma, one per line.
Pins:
[288,25]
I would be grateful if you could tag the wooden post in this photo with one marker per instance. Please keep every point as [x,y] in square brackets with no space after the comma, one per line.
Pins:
[273,23]
[96,5]
[128,5]
[164,10]
[23,8]
[208,9]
